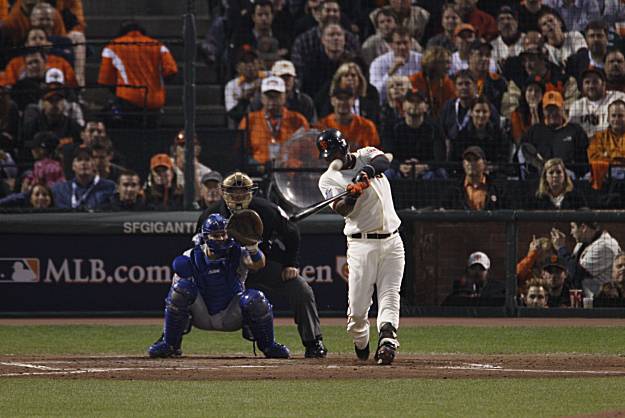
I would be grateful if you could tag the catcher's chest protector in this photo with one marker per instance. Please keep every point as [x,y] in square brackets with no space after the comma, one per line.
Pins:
[217,280]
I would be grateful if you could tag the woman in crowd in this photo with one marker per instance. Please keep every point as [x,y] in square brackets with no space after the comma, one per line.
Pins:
[449,20]
[350,76]
[529,112]
[38,196]
[556,189]
[397,87]
[483,132]
[433,81]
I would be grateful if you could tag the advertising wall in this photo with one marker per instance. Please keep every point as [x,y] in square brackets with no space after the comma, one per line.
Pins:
[121,262]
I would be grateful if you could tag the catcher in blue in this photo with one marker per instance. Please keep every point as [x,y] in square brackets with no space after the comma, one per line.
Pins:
[208,292]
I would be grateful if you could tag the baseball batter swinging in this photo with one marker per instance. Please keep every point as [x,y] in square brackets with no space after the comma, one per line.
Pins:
[375,251]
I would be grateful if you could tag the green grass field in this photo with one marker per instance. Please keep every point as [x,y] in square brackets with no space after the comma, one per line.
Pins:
[326,398]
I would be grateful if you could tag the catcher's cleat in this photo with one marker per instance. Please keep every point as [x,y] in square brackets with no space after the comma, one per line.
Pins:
[315,349]
[277,351]
[385,353]
[362,354]
[161,349]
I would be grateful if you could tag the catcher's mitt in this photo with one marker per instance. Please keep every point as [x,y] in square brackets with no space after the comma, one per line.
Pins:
[245,227]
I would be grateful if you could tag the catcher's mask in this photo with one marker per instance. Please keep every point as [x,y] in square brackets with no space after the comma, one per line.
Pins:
[331,141]
[215,235]
[237,190]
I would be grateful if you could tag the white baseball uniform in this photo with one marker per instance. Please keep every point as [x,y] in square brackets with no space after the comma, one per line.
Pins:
[372,261]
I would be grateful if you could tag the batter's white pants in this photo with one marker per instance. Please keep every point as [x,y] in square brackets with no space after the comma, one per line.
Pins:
[378,262]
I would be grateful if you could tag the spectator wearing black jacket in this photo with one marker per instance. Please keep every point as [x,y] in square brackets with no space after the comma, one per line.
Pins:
[456,114]
[416,140]
[262,24]
[128,196]
[481,131]
[556,189]
[554,138]
[596,35]
[475,191]
[319,67]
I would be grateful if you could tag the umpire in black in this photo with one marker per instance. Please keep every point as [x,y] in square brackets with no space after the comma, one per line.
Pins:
[280,243]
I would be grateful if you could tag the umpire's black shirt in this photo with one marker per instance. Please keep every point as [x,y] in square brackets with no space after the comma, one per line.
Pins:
[280,236]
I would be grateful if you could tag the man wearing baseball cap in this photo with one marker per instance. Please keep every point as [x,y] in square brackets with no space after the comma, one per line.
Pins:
[475,191]
[86,191]
[591,111]
[555,138]
[273,125]
[296,100]
[489,83]
[161,189]
[555,274]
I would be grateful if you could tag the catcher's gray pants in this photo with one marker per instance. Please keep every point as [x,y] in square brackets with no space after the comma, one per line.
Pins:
[230,319]
[299,293]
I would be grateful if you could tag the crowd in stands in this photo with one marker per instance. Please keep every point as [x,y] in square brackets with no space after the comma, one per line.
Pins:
[474,94]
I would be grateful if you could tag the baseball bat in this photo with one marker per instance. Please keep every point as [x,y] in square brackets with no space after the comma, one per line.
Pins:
[316,207]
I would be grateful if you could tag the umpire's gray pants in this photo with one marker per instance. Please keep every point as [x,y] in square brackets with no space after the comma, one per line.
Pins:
[299,293]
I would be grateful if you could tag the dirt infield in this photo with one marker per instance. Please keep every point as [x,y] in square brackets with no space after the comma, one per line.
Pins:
[333,367]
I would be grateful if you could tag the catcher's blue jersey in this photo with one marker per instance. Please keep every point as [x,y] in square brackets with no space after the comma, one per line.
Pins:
[219,280]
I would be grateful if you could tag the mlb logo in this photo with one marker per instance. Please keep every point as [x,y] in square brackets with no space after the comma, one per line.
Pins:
[19,270]
[342,268]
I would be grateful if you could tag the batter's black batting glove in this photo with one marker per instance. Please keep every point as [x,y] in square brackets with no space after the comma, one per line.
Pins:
[366,173]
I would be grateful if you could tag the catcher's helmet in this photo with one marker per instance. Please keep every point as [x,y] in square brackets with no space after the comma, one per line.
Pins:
[215,236]
[237,190]
[330,141]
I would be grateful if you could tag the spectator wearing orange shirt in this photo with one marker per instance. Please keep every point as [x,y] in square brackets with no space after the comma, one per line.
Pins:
[273,125]
[360,130]
[16,25]
[137,60]
[608,147]
[484,23]
[16,68]
[433,81]
[42,17]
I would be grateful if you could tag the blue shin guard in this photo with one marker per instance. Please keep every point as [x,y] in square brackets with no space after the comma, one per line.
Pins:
[177,308]
[258,316]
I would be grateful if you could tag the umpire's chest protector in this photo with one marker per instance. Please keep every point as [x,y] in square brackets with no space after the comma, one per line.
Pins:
[217,280]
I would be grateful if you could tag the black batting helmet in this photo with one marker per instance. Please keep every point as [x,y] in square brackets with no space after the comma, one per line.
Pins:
[329,141]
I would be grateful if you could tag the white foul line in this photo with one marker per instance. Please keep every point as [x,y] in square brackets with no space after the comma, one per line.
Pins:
[28,365]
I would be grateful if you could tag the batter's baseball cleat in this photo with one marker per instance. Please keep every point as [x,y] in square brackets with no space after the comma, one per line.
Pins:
[385,353]
[315,349]
[277,351]
[362,354]
[161,349]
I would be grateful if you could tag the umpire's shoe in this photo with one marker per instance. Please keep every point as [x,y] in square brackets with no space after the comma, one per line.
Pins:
[362,354]
[277,351]
[315,349]
[160,349]
[387,345]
